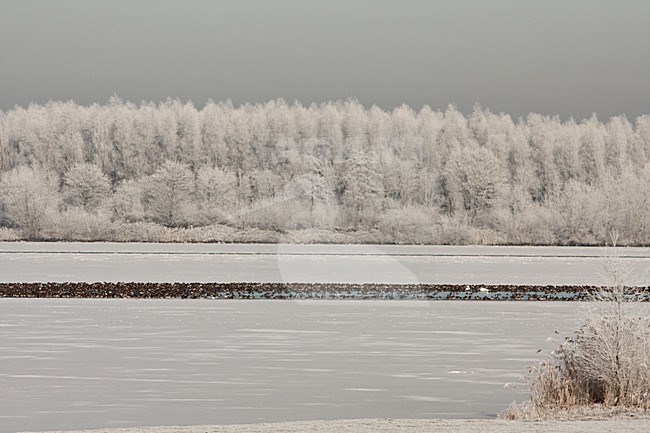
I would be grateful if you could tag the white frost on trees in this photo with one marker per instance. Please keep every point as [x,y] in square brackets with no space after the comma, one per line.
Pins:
[29,198]
[85,185]
[474,181]
[168,194]
[279,165]
[363,191]
[215,193]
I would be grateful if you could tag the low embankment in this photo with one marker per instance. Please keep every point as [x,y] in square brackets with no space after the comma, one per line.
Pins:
[302,291]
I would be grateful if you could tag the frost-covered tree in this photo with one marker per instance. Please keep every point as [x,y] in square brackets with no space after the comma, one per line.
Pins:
[566,157]
[618,139]
[542,132]
[625,206]
[353,125]
[168,194]
[453,135]
[6,154]
[29,197]
[474,181]
[400,179]
[591,152]
[330,134]
[262,184]
[188,131]
[370,161]
[362,189]
[578,207]
[479,125]
[123,157]
[213,120]
[126,203]
[215,192]
[642,130]
[313,186]
[86,186]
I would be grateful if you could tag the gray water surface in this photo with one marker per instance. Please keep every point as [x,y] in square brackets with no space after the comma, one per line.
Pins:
[73,364]
[90,262]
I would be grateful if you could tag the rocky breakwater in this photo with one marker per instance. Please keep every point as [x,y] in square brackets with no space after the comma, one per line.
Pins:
[301,291]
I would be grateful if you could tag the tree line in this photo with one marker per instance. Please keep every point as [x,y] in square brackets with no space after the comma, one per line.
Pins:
[334,171]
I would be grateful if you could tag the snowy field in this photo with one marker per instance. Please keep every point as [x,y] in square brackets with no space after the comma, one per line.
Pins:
[89,262]
[611,425]
[76,364]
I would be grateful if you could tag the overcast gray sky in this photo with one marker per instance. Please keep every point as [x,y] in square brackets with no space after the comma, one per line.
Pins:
[554,57]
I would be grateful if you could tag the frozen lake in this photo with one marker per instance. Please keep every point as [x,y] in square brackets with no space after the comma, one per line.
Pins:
[90,262]
[72,364]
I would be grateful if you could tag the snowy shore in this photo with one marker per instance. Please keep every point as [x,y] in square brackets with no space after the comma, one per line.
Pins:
[623,424]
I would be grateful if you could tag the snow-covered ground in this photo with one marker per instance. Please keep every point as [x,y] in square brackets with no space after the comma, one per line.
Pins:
[616,425]
[60,262]
[77,364]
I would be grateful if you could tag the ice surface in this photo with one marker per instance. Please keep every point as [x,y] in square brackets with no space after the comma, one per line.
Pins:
[41,262]
[71,364]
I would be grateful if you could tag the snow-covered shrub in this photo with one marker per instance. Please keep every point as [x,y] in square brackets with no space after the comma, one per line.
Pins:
[408,225]
[604,367]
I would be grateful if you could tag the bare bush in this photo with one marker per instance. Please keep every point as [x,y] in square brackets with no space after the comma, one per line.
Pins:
[79,224]
[9,234]
[604,367]
[408,225]
[271,214]
[452,231]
